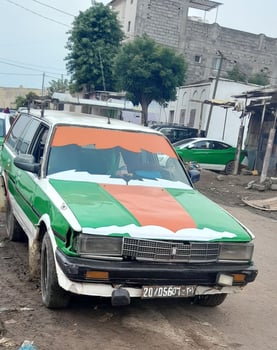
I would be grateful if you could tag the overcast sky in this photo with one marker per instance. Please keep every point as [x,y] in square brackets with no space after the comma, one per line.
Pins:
[33,35]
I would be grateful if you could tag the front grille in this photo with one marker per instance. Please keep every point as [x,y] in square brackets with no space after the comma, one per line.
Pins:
[150,250]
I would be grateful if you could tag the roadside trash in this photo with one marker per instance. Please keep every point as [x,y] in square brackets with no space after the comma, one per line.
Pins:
[6,342]
[27,345]
[26,309]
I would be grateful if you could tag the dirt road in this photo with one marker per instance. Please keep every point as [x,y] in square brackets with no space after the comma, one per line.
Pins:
[245,321]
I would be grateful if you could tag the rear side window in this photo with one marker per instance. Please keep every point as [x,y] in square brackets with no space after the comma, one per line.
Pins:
[2,128]
[17,130]
[24,140]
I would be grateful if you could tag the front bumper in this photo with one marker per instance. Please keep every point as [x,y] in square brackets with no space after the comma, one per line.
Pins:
[133,275]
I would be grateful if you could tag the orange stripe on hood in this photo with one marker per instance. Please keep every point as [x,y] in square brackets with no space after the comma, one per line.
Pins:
[152,206]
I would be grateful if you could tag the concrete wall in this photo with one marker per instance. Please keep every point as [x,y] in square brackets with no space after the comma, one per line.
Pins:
[250,52]
[9,95]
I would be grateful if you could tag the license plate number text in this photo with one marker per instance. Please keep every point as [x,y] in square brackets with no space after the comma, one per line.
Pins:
[151,292]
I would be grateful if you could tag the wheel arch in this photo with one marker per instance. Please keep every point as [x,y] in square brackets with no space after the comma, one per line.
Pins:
[43,227]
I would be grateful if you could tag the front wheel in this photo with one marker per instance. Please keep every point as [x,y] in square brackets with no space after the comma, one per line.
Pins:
[210,300]
[53,296]
[13,229]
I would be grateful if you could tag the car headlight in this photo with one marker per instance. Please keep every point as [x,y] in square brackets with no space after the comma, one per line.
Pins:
[88,245]
[239,252]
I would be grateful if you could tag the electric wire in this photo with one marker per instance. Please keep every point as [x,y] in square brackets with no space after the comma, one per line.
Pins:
[28,68]
[8,60]
[38,14]
[54,8]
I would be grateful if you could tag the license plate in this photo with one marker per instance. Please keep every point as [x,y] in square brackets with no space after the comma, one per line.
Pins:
[151,292]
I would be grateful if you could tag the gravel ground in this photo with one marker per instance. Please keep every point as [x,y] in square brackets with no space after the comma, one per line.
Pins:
[232,189]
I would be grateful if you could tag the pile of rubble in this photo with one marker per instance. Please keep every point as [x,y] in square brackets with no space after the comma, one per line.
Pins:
[270,183]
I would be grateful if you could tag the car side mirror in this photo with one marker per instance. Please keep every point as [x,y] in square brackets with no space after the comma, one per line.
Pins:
[27,162]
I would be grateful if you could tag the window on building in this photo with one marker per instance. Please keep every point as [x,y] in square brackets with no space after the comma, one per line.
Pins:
[171,116]
[182,116]
[197,58]
[129,26]
[192,118]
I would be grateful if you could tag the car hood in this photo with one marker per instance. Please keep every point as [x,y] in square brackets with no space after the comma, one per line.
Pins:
[148,212]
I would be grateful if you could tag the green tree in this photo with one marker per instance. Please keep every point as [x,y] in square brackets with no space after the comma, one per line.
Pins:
[236,75]
[20,101]
[93,43]
[27,100]
[60,85]
[260,78]
[148,71]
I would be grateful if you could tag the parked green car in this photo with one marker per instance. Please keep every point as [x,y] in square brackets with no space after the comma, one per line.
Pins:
[208,153]
[105,217]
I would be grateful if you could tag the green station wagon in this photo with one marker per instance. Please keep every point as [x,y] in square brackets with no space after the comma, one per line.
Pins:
[104,217]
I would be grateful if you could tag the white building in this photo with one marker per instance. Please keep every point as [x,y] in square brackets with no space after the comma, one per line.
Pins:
[192,108]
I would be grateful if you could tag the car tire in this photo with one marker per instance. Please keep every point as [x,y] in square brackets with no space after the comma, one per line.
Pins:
[53,296]
[210,300]
[13,229]
[229,168]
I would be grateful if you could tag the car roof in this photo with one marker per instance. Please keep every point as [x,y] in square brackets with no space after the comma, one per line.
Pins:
[4,115]
[72,118]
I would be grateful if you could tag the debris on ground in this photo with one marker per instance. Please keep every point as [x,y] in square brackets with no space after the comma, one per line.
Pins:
[269,204]
[7,343]
[270,183]
[239,190]
[27,345]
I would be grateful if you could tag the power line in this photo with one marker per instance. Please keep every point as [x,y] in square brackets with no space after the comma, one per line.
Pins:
[27,64]
[54,8]
[38,14]
[28,68]
[23,74]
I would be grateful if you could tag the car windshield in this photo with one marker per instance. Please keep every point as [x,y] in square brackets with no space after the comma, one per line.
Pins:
[132,156]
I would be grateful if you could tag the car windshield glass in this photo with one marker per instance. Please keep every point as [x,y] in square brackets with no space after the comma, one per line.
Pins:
[116,154]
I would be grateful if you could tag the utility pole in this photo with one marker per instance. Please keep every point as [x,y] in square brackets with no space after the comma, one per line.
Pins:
[42,95]
[42,85]
[269,147]
[215,89]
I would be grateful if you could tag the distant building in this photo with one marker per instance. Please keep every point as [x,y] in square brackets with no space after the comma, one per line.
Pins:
[193,104]
[8,95]
[167,22]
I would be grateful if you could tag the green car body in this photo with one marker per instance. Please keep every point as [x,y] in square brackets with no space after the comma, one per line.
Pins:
[208,153]
[105,217]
